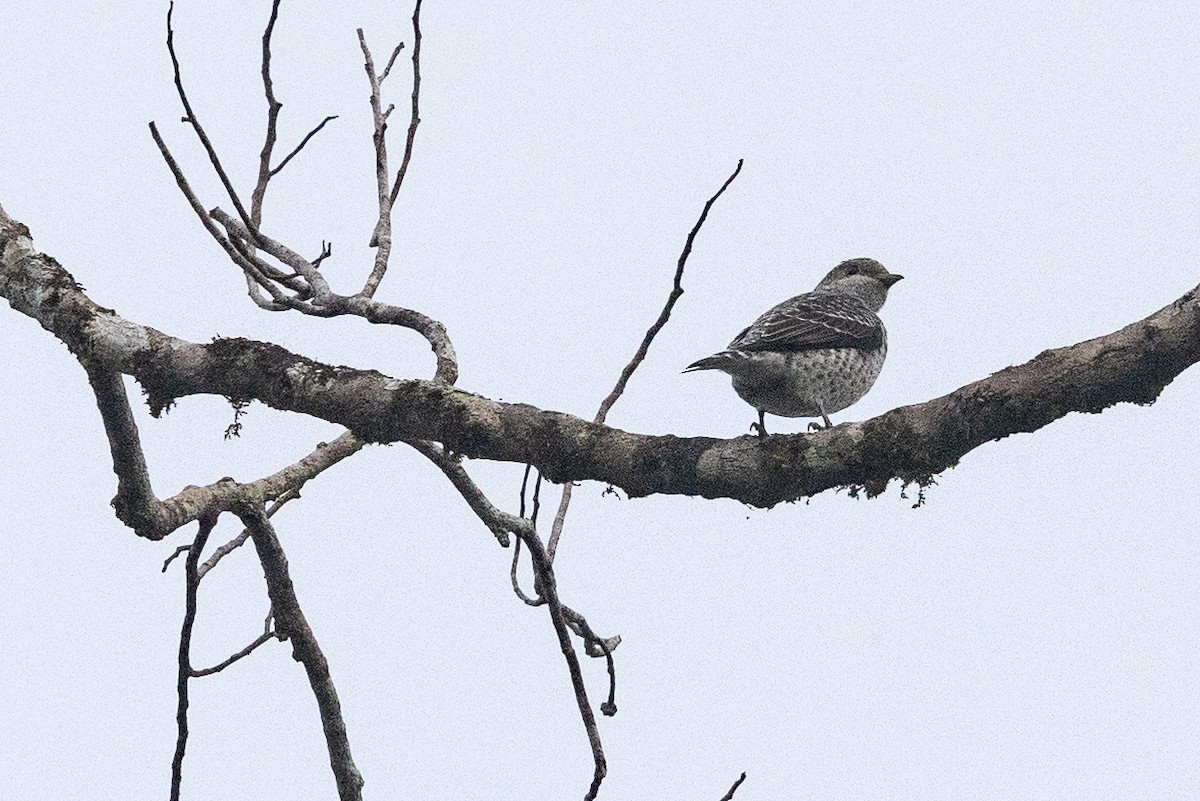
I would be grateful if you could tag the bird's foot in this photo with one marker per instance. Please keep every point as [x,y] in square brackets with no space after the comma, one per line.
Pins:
[815,426]
[761,425]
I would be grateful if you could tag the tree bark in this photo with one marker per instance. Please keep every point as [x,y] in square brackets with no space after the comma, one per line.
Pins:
[911,443]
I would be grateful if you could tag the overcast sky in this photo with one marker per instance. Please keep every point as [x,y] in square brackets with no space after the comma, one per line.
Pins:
[1031,632]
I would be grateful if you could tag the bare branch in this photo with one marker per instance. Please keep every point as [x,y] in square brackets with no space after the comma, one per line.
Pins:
[729,796]
[381,238]
[516,582]
[392,60]
[607,404]
[416,102]
[273,106]
[259,271]
[208,520]
[181,549]
[249,649]
[547,587]
[501,524]
[135,502]
[191,118]
[292,625]
[311,275]
[300,146]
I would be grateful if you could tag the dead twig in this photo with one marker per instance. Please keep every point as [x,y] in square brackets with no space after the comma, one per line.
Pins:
[249,649]
[381,236]
[663,316]
[729,796]
[191,118]
[207,521]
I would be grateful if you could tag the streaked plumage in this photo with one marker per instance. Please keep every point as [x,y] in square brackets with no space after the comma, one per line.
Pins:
[813,354]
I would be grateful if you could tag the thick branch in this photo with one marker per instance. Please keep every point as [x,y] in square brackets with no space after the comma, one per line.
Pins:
[911,443]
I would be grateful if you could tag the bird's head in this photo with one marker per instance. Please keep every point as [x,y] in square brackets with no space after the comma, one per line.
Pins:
[865,279]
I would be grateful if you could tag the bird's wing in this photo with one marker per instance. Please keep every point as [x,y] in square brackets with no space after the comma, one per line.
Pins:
[813,320]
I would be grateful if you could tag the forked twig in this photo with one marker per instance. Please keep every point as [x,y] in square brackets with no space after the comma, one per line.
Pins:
[265,171]
[381,237]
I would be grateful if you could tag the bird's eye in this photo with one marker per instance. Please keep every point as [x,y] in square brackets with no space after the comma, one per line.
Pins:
[852,270]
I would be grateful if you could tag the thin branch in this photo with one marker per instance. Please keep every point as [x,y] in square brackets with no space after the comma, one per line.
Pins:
[516,560]
[300,146]
[663,316]
[181,549]
[311,275]
[257,269]
[501,524]
[273,106]
[416,102]
[249,649]
[207,521]
[594,646]
[546,585]
[381,238]
[729,796]
[191,118]
[292,625]
[516,583]
[391,61]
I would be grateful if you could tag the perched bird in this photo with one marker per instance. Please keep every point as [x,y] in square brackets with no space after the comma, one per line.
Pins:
[816,353]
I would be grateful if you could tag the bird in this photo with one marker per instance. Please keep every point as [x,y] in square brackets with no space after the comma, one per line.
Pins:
[815,353]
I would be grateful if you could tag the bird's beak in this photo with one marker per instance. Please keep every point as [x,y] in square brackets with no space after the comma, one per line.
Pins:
[892,278]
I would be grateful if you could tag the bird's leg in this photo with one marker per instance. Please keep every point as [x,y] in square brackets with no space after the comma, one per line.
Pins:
[814,425]
[761,425]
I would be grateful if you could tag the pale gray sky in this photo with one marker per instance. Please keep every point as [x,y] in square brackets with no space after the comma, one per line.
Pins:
[1031,633]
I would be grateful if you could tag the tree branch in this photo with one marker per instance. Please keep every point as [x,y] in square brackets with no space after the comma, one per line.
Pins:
[242,654]
[292,625]
[192,579]
[560,517]
[729,795]
[381,237]
[911,443]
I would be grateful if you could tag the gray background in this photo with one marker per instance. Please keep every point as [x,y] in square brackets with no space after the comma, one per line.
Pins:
[1030,633]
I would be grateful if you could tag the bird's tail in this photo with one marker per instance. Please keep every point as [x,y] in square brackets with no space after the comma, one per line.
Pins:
[718,361]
